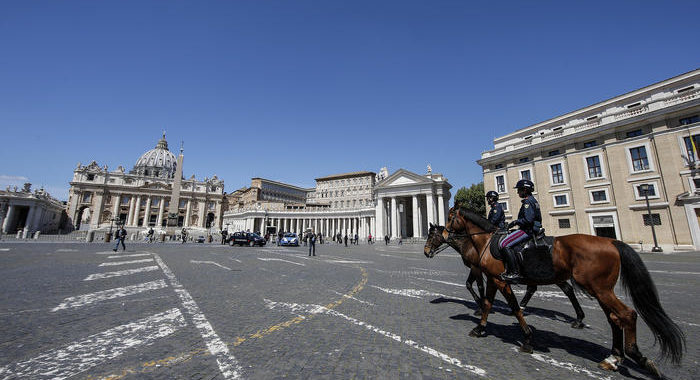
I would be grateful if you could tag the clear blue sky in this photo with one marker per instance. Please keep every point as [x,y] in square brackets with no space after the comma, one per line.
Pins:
[294,90]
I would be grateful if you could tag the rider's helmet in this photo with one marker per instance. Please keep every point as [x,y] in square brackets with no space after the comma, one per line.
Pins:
[491,196]
[525,184]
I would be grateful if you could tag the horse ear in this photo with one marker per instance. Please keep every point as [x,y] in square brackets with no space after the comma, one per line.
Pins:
[431,225]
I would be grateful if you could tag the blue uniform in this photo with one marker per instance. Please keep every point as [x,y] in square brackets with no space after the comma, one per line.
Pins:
[496,216]
[529,220]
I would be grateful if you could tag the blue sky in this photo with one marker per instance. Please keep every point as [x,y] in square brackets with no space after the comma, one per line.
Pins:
[294,90]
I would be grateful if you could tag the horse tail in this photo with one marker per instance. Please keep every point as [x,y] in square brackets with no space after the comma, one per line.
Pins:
[638,283]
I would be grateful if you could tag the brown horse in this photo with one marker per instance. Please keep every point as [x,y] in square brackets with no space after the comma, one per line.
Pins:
[470,259]
[594,263]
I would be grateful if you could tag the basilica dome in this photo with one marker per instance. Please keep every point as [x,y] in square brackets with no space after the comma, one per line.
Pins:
[157,162]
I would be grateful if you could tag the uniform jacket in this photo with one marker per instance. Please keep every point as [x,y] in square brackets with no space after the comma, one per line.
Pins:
[529,217]
[496,216]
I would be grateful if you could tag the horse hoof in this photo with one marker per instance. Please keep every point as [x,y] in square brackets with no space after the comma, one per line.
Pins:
[478,332]
[653,369]
[578,325]
[610,363]
[526,348]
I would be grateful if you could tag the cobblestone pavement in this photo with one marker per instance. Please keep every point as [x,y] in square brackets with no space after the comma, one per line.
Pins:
[201,311]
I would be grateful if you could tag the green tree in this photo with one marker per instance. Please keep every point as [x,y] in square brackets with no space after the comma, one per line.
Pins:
[472,198]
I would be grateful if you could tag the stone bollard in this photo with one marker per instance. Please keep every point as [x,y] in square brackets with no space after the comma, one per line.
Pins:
[25,234]
[19,234]
[90,236]
[108,237]
[36,235]
[133,237]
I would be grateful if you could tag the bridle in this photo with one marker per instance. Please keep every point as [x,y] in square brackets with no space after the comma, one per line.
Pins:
[451,235]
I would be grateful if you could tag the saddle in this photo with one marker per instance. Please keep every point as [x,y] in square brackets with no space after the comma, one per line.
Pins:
[534,256]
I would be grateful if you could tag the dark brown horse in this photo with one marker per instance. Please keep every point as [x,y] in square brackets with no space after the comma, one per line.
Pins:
[595,264]
[470,260]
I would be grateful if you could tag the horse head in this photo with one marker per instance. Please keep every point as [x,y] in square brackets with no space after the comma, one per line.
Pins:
[434,241]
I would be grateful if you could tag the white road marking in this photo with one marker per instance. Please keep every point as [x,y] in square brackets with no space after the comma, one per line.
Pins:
[236,260]
[228,365]
[98,276]
[347,262]
[318,309]
[674,272]
[566,365]
[86,299]
[209,262]
[134,255]
[413,293]
[442,282]
[4,249]
[82,355]
[115,263]
[105,253]
[66,250]
[353,298]
[276,259]
[543,294]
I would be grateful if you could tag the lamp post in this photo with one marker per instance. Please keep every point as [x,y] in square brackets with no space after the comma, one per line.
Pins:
[644,188]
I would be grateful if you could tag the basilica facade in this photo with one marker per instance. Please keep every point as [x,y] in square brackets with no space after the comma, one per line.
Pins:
[140,197]
[400,205]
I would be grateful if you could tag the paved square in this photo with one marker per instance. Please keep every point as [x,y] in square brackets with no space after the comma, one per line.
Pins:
[167,311]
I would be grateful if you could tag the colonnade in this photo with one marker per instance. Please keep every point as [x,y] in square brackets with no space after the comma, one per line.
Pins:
[392,214]
[363,226]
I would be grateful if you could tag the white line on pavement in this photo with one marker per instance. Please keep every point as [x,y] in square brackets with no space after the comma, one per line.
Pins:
[565,365]
[236,260]
[4,249]
[209,262]
[115,263]
[66,250]
[98,276]
[441,282]
[352,298]
[414,293]
[347,262]
[82,355]
[86,299]
[674,272]
[228,365]
[318,309]
[275,259]
[134,255]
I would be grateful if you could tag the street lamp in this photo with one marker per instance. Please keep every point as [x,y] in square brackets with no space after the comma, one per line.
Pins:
[644,189]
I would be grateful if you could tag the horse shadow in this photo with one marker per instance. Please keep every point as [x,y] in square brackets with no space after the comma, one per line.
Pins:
[503,307]
[544,341]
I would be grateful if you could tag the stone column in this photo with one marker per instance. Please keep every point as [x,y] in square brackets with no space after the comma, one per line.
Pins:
[97,212]
[441,210]
[188,213]
[137,211]
[403,231]
[416,218]
[430,208]
[202,214]
[379,217]
[147,214]
[161,208]
[394,224]
[130,214]
[117,204]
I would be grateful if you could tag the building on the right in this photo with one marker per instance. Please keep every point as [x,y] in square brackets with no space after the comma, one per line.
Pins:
[590,167]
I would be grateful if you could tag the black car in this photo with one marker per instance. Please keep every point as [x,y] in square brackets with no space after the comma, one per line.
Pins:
[246,238]
[200,239]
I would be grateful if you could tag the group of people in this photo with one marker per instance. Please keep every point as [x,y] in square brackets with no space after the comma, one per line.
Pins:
[529,224]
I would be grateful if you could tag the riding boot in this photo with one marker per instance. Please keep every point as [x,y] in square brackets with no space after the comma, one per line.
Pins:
[512,273]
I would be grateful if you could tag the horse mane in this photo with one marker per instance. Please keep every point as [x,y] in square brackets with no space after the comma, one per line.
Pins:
[477,219]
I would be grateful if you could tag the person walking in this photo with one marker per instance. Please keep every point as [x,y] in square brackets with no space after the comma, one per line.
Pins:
[224,234]
[369,239]
[121,236]
[312,244]
[346,240]
[357,241]
[184,235]
[386,239]
[151,234]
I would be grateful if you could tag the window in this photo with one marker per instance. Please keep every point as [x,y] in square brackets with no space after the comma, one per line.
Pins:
[599,196]
[651,192]
[504,205]
[183,203]
[553,153]
[655,218]
[155,202]
[500,184]
[564,223]
[90,177]
[635,133]
[689,120]
[525,174]
[639,158]
[691,147]
[125,200]
[557,174]
[524,159]
[498,166]
[87,197]
[594,170]
[589,144]
[561,200]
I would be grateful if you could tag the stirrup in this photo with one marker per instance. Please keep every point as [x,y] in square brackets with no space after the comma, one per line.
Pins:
[511,277]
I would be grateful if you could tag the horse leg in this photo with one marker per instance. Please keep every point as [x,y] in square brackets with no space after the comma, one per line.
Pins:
[518,313]
[617,353]
[569,291]
[626,319]
[531,289]
[477,299]
[480,330]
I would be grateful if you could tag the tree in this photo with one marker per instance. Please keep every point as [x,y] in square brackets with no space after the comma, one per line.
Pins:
[472,198]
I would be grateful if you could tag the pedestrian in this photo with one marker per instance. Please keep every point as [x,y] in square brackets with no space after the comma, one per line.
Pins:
[151,234]
[312,244]
[369,238]
[400,240]
[121,236]
[356,239]
[224,234]
[346,240]
[386,239]
[184,235]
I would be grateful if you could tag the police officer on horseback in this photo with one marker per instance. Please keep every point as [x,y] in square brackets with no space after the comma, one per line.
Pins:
[529,222]
[496,215]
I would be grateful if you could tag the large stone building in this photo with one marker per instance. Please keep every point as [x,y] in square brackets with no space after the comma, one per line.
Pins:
[590,166]
[30,211]
[362,203]
[141,197]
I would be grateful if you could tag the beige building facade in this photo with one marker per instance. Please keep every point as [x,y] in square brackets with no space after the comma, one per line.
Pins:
[590,167]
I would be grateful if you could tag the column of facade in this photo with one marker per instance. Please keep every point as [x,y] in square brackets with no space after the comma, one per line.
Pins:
[97,212]
[117,202]
[379,216]
[430,208]
[416,223]
[202,214]
[441,210]
[161,208]
[130,215]
[147,214]
[394,221]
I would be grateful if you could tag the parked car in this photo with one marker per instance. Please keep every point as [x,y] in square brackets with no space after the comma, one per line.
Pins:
[246,238]
[200,239]
[289,239]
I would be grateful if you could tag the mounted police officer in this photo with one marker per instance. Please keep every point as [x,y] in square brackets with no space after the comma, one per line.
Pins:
[496,215]
[529,221]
